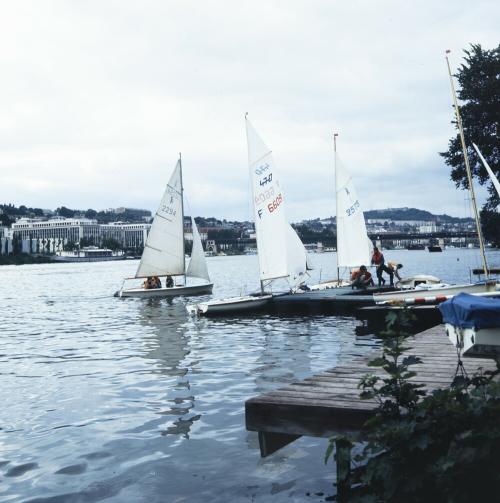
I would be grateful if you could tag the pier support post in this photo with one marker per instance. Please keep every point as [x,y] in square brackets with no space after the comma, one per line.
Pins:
[343,457]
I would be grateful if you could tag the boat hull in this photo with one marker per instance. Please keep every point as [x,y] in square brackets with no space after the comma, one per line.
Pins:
[433,295]
[481,343]
[175,291]
[337,300]
[230,306]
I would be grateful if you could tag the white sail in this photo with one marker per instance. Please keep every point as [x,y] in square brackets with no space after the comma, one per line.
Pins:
[197,267]
[164,250]
[494,179]
[353,244]
[297,263]
[268,200]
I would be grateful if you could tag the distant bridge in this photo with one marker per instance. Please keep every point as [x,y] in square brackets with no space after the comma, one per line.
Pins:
[380,236]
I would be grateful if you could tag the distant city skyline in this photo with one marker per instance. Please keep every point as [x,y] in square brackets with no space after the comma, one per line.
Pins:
[98,99]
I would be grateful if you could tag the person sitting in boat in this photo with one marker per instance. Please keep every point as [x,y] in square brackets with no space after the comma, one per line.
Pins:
[361,278]
[379,261]
[156,282]
[148,283]
[395,268]
[169,282]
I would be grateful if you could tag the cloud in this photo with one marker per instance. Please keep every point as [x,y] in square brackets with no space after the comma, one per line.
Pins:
[99,98]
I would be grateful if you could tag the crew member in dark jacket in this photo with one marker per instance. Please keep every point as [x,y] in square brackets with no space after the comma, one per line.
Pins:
[379,261]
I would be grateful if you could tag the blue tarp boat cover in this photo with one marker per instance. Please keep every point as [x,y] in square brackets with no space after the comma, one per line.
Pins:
[468,311]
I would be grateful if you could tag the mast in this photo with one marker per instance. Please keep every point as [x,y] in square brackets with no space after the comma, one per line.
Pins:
[336,201]
[467,169]
[182,219]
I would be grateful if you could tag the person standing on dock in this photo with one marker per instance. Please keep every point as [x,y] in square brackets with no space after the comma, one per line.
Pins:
[379,261]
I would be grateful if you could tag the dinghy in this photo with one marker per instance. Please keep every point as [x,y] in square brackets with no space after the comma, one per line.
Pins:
[281,253]
[163,254]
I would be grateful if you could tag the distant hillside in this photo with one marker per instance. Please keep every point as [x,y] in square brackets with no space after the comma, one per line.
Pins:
[411,214]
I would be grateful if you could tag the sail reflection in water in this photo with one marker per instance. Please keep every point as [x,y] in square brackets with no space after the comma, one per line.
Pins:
[168,345]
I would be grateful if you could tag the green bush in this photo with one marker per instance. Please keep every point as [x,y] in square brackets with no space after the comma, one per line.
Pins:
[441,447]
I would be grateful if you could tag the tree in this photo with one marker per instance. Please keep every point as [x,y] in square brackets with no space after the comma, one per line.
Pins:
[65,212]
[479,93]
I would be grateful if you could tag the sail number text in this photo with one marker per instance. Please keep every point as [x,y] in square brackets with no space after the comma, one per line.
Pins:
[264,196]
[276,202]
[168,210]
[352,209]
[267,179]
[262,169]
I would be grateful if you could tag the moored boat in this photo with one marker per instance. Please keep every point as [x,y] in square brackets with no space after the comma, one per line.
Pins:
[473,325]
[282,255]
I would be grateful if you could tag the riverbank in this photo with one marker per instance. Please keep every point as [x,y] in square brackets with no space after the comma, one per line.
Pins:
[24,258]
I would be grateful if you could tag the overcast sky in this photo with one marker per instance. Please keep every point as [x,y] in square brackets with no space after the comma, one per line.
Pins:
[98,97]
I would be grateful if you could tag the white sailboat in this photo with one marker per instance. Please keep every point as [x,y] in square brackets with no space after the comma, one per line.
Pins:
[163,254]
[354,247]
[281,253]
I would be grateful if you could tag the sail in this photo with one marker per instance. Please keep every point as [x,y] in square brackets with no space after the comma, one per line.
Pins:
[268,201]
[353,244]
[494,179]
[197,267]
[297,263]
[164,250]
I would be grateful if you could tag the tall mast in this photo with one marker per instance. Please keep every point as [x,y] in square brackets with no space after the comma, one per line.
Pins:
[336,202]
[467,169]
[182,220]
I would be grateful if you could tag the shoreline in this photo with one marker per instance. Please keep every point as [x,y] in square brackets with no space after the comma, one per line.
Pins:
[25,259]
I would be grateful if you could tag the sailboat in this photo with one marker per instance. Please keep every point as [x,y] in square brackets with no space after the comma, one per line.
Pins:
[281,253]
[163,254]
[354,247]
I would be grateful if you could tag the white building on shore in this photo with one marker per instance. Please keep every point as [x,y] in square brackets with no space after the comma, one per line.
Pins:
[68,229]
[73,230]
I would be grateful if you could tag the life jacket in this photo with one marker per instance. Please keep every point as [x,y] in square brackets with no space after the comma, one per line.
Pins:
[377,258]
[357,273]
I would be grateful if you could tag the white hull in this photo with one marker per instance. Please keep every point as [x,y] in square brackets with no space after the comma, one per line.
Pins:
[334,283]
[230,306]
[433,295]
[174,291]
[480,343]
[69,258]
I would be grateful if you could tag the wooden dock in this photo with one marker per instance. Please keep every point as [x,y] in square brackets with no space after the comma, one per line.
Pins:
[329,403]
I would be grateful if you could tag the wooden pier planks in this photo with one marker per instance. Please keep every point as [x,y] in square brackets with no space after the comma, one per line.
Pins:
[329,403]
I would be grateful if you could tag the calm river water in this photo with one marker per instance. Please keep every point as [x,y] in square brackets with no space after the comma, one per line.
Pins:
[107,399]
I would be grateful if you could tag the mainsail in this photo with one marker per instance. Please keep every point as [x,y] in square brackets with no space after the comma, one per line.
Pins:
[197,267]
[281,255]
[164,249]
[354,248]
[494,179]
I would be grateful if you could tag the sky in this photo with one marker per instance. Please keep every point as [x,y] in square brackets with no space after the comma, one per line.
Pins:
[98,98]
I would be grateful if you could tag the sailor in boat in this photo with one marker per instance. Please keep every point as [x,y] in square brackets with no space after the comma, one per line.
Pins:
[169,282]
[379,261]
[361,278]
[151,282]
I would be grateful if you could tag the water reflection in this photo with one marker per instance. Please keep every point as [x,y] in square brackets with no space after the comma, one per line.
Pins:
[168,345]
